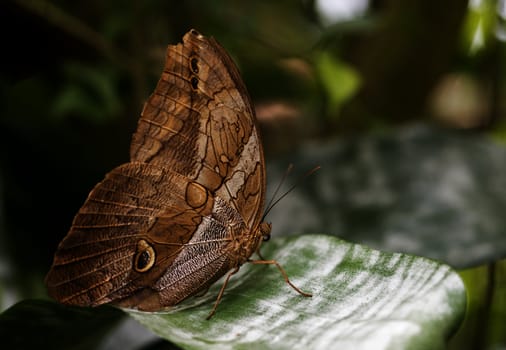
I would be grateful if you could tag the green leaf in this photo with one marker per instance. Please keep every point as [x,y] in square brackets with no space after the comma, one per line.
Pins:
[483,327]
[89,92]
[41,324]
[340,80]
[418,190]
[362,299]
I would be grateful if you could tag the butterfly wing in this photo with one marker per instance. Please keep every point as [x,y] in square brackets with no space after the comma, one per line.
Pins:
[134,203]
[156,230]
[200,122]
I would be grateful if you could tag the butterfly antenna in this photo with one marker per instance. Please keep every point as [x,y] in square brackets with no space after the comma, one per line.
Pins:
[280,183]
[273,202]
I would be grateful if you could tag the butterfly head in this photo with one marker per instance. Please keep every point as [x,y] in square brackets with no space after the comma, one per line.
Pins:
[265,230]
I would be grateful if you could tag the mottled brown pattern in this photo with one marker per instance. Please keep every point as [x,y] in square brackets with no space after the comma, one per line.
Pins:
[191,197]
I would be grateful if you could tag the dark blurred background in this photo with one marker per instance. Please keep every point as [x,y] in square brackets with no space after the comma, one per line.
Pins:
[75,74]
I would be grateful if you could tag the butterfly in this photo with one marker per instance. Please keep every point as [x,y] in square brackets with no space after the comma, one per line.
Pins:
[188,207]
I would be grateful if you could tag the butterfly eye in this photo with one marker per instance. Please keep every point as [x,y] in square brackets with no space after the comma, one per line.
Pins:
[145,256]
[265,231]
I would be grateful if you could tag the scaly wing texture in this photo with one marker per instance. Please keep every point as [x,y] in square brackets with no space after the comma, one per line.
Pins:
[199,122]
[93,264]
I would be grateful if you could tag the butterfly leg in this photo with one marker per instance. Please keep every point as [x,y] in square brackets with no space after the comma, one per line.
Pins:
[283,272]
[220,294]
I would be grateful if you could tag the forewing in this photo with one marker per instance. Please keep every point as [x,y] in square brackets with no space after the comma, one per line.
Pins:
[199,122]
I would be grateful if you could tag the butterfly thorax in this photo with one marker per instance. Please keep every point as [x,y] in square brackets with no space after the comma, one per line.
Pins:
[247,243]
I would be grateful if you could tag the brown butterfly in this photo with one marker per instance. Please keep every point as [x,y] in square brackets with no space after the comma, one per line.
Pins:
[188,207]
